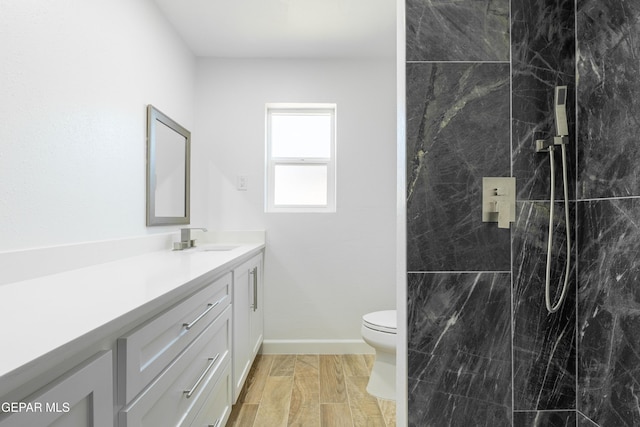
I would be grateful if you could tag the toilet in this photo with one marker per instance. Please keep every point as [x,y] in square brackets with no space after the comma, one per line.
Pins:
[379,331]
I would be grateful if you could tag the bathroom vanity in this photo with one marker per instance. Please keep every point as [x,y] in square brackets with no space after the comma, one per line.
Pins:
[162,338]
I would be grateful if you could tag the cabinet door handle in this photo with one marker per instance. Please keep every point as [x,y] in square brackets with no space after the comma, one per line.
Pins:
[212,361]
[204,313]
[216,424]
[254,272]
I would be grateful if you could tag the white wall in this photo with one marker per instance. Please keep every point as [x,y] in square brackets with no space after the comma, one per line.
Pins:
[323,271]
[75,79]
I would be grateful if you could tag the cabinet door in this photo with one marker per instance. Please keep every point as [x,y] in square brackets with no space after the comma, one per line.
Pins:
[241,312]
[256,313]
[248,323]
[81,398]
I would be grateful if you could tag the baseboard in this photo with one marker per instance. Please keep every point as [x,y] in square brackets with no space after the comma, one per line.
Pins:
[355,346]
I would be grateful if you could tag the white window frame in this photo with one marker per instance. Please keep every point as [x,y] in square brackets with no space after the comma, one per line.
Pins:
[272,162]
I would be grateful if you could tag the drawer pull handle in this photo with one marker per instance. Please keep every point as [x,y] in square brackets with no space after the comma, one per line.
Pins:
[204,313]
[216,424]
[212,361]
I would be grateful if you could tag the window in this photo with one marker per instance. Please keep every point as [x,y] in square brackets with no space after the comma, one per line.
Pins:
[300,154]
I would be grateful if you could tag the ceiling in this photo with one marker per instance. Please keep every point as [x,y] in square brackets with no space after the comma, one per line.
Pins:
[285,28]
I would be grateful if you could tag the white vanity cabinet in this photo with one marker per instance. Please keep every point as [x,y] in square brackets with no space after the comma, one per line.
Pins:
[169,366]
[147,350]
[177,395]
[83,397]
[248,319]
[145,341]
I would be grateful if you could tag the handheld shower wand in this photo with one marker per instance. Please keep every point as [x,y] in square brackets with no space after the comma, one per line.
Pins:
[560,111]
[561,138]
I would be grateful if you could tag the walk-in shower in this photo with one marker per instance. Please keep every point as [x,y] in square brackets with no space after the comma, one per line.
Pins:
[548,145]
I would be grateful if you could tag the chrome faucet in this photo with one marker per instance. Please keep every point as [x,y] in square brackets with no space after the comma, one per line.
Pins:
[186,241]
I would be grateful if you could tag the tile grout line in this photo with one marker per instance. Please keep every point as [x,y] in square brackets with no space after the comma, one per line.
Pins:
[260,401]
[511,236]
[295,360]
[320,388]
[293,382]
[346,389]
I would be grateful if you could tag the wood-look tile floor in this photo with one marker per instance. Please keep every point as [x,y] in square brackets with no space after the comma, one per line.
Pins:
[310,390]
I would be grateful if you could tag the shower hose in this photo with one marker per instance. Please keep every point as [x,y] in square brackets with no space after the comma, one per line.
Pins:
[547,294]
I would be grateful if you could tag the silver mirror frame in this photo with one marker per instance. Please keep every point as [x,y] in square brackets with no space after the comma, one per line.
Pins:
[153,117]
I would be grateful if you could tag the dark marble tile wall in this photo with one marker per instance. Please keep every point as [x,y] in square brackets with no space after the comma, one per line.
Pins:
[544,353]
[609,301]
[609,297]
[459,100]
[462,30]
[544,419]
[459,349]
[543,56]
[457,132]
[609,93]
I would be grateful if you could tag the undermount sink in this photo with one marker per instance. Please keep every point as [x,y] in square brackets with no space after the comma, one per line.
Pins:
[216,247]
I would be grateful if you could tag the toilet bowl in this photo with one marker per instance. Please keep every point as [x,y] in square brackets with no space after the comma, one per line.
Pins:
[379,331]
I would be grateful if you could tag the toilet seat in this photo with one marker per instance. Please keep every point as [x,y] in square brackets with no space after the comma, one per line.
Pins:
[381,321]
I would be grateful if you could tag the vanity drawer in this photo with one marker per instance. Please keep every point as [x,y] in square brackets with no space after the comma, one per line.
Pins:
[148,349]
[217,407]
[167,401]
[81,397]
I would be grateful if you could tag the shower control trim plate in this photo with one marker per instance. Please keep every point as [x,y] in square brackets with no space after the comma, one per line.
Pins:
[499,200]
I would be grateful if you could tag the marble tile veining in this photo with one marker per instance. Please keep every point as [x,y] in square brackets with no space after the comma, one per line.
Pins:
[430,408]
[544,419]
[543,51]
[463,30]
[609,93]
[459,336]
[609,320]
[544,344]
[457,132]
[584,421]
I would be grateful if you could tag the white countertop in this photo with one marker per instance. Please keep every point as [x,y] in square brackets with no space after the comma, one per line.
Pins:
[42,314]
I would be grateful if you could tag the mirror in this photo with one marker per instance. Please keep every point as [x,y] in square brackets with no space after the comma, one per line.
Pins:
[168,170]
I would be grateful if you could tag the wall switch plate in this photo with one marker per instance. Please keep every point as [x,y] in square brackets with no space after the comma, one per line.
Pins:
[499,193]
[242,183]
